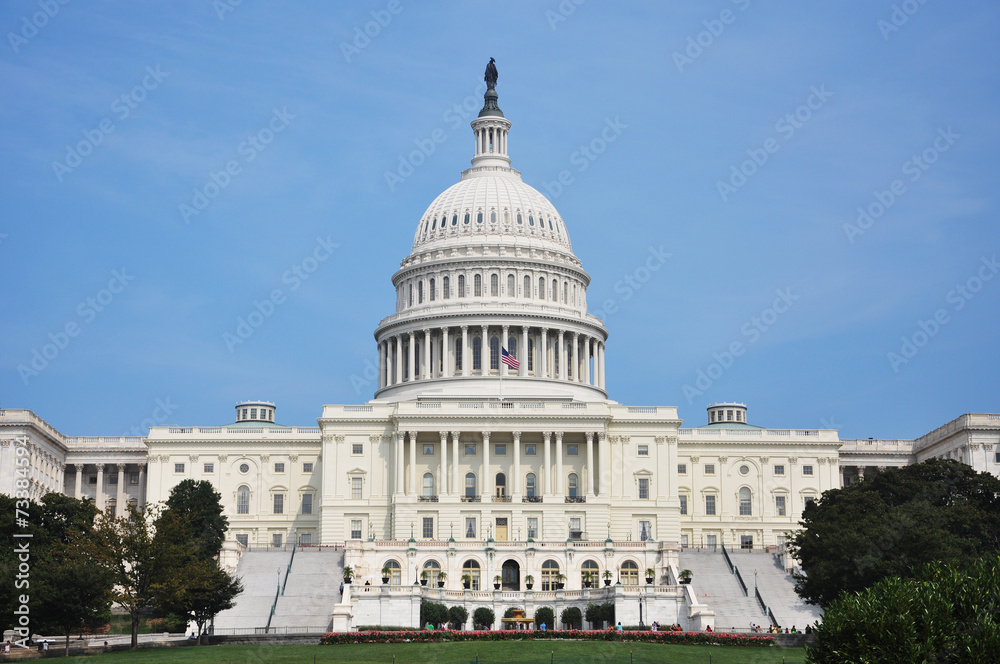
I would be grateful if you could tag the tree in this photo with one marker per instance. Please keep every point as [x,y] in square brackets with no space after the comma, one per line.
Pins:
[457,615]
[197,591]
[545,615]
[572,618]
[483,617]
[126,547]
[948,614]
[892,524]
[200,507]
[600,613]
[433,613]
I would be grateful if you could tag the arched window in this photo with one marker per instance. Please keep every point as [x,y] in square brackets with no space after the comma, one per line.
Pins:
[466,218]
[479,218]
[501,485]
[746,500]
[591,568]
[519,222]
[458,354]
[428,485]
[541,288]
[434,223]
[477,354]
[511,287]
[461,285]
[243,500]
[471,569]
[529,485]
[446,288]
[550,224]
[565,293]
[478,285]
[395,572]
[531,354]
[555,290]
[494,285]
[410,301]
[574,485]
[512,346]
[550,570]
[433,569]
[629,573]
[420,292]
[494,353]
[432,289]
[454,219]
[531,220]
[470,485]
[527,286]
[493,217]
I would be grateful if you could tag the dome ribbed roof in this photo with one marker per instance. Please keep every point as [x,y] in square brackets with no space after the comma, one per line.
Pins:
[508,207]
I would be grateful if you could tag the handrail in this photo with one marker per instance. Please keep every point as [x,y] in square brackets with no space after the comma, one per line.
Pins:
[725,554]
[739,577]
[274,605]
[760,600]
[288,569]
[770,614]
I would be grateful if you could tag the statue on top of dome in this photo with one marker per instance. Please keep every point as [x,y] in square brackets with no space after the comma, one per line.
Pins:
[491,75]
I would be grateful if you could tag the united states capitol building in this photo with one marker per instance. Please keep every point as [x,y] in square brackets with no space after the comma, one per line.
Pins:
[491,462]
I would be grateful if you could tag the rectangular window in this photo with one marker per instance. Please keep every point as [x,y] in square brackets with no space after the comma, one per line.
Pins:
[729,415]
[357,448]
[711,541]
[253,413]
[645,530]
[684,504]
[684,541]
[529,450]
[279,503]
[428,449]
[133,478]
[276,540]
[746,542]
[643,450]
[470,449]
[779,505]
[306,539]
[356,488]
[428,530]
[710,469]
[470,527]
[710,505]
[996,457]
[279,467]
[307,467]
[532,527]
[92,479]
[807,470]
[178,467]
[779,470]
[307,503]
[500,449]
[807,501]
[243,539]
[572,450]
[209,467]
[644,488]
[682,469]
[112,479]
[575,532]
[355,528]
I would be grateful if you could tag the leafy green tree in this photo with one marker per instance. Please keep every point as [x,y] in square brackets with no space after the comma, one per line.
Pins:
[545,615]
[892,524]
[483,617]
[948,615]
[572,618]
[203,523]
[457,615]
[197,591]
[433,613]
[597,614]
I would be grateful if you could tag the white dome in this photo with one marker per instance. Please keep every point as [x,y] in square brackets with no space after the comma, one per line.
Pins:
[494,202]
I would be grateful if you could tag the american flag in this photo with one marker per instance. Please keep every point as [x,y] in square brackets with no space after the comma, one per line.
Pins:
[508,359]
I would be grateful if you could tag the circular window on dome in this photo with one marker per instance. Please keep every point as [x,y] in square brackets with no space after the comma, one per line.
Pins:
[519,222]
[479,218]
[531,220]
[744,469]
[244,468]
[454,220]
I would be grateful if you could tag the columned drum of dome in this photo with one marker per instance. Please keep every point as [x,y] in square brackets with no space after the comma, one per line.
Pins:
[491,267]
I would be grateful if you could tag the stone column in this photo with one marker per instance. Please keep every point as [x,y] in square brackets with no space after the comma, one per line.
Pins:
[523,371]
[121,500]
[78,489]
[562,357]
[547,467]
[590,464]
[413,463]
[466,354]
[398,378]
[443,470]
[399,485]
[381,364]
[602,366]
[503,342]
[487,496]
[455,486]
[445,354]
[559,463]
[517,463]
[586,360]
[426,359]
[577,372]
[543,357]
[412,349]
[604,459]
[99,496]
[484,352]
[141,498]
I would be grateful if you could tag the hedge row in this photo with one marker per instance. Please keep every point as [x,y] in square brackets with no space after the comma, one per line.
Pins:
[438,636]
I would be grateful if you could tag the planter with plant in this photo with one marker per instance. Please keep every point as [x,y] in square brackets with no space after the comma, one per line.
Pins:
[497,580]
[386,575]
[607,577]
[588,579]
[466,581]
[529,581]
[424,575]
[560,581]
[686,575]
[442,577]
[348,574]
[650,575]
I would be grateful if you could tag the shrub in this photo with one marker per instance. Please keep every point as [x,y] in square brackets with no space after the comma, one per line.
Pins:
[457,615]
[572,618]
[545,615]
[433,613]
[483,617]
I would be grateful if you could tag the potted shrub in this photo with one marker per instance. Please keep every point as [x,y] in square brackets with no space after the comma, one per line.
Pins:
[386,575]
[607,577]
[588,579]
[466,581]
[529,581]
[560,581]
[348,574]
[497,580]
[424,575]
[686,576]
[650,575]
[442,577]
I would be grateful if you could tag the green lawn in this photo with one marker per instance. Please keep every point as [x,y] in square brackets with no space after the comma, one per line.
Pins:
[526,652]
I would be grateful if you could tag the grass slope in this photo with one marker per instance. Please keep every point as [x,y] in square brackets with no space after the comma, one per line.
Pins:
[526,652]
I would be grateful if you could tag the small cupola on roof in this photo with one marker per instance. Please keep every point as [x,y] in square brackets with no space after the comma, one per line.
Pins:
[254,412]
[727,411]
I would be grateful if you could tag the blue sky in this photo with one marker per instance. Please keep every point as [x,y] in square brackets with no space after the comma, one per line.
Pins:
[748,136]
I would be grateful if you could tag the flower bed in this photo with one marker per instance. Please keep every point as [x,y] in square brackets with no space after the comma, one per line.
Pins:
[442,635]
